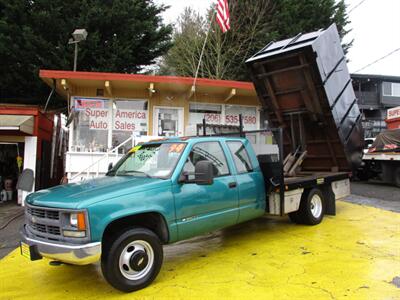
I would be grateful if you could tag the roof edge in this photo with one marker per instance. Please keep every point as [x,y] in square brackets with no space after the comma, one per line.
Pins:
[61,74]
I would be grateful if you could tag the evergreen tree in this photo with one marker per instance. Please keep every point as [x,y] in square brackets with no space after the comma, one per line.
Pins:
[294,16]
[123,36]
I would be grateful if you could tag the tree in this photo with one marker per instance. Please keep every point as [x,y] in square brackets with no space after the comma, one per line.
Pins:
[189,37]
[250,29]
[224,54]
[294,16]
[254,23]
[124,36]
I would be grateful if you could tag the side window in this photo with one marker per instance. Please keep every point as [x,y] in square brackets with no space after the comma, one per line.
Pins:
[211,151]
[240,157]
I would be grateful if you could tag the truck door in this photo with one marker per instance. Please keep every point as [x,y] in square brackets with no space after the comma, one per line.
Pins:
[202,208]
[250,183]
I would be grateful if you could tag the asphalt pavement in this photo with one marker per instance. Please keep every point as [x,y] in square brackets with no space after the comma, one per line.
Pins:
[11,220]
[375,194]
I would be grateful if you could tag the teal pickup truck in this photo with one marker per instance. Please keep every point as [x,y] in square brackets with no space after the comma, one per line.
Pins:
[162,192]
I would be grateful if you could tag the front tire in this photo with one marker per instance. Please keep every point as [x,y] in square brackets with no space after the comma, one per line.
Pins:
[133,259]
[311,210]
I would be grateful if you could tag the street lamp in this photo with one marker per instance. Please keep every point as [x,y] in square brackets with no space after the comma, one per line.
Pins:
[77,36]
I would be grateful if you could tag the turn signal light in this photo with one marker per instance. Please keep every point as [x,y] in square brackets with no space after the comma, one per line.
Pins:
[81,221]
[78,220]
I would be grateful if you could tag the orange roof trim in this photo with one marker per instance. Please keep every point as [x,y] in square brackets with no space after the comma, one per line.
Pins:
[57,74]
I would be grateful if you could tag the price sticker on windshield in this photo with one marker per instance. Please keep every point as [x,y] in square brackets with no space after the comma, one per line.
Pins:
[134,149]
[176,148]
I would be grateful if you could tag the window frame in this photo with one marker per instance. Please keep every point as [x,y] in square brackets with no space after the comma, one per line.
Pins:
[392,94]
[223,111]
[72,129]
[173,169]
[72,132]
[233,156]
[223,152]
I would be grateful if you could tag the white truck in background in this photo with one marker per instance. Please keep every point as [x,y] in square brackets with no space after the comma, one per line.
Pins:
[382,159]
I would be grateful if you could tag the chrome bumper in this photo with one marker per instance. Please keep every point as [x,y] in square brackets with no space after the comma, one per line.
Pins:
[69,253]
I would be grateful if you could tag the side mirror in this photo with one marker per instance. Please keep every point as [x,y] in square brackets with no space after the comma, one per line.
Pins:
[110,166]
[184,177]
[203,172]
[26,180]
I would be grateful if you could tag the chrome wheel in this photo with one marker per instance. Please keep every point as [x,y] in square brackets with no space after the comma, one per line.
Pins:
[316,206]
[136,260]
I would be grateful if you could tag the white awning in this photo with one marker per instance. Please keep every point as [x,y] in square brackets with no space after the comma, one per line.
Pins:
[17,122]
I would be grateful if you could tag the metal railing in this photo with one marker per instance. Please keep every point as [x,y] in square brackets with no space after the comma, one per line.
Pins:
[111,152]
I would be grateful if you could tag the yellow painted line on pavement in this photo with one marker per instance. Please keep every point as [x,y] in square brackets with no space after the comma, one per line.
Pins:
[354,255]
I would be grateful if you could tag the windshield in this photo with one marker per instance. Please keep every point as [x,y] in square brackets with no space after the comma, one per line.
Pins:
[149,160]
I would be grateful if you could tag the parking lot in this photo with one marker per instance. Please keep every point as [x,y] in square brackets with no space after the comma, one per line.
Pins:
[353,255]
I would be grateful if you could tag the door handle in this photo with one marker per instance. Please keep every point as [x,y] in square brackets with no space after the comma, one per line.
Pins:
[232,185]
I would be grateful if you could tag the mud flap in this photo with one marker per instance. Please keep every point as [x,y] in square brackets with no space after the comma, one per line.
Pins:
[330,202]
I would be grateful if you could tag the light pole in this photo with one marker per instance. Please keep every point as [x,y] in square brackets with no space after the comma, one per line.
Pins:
[77,36]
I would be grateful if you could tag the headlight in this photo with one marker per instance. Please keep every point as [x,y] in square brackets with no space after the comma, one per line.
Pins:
[78,220]
[73,220]
[77,225]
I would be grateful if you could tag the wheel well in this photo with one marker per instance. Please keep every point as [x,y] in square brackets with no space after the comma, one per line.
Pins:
[152,221]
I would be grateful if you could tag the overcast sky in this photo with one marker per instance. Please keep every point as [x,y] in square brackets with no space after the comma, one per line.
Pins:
[375,29]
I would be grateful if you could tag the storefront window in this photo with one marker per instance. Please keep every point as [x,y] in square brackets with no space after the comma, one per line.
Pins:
[198,111]
[168,121]
[249,116]
[223,114]
[96,119]
[130,117]
[91,124]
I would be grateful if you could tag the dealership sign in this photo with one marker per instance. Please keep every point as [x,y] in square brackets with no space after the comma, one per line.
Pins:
[84,103]
[98,118]
[129,119]
[393,113]
[96,113]
[123,119]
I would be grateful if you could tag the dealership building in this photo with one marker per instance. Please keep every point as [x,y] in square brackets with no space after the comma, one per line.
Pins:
[109,112]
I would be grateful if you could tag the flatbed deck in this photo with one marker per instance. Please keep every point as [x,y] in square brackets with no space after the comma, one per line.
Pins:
[308,179]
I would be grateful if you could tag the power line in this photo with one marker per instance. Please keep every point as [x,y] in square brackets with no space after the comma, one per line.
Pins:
[379,59]
[359,3]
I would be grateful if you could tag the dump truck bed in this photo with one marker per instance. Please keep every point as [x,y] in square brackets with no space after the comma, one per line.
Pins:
[305,88]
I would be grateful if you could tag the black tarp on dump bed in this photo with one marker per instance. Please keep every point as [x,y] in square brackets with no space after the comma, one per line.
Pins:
[386,141]
[305,88]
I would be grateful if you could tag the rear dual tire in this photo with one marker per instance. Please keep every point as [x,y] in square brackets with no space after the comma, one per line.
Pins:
[311,210]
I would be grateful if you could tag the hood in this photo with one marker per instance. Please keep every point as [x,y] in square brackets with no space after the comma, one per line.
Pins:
[85,193]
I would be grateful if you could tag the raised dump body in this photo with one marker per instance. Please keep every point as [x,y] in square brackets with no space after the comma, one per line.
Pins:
[304,86]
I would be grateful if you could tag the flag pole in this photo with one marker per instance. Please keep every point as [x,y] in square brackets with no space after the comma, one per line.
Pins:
[202,50]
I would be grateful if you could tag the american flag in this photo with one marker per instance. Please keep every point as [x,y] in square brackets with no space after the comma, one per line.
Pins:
[223,15]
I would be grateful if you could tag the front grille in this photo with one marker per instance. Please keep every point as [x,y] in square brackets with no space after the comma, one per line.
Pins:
[38,227]
[44,223]
[54,230]
[44,214]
